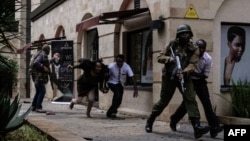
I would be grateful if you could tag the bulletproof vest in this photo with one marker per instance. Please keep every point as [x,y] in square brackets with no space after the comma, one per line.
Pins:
[45,61]
[41,75]
[184,54]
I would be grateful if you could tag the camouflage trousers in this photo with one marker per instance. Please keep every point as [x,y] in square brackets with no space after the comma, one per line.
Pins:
[168,88]
[37,76]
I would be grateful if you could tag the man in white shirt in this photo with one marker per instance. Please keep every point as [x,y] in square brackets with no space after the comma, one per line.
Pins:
[118,72]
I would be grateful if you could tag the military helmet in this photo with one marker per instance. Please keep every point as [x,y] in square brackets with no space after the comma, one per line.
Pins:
[184,28]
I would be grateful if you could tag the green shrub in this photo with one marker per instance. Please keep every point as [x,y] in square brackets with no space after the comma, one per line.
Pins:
[8,73]
[239,98]
[10,119]
[240,94]
[27,133]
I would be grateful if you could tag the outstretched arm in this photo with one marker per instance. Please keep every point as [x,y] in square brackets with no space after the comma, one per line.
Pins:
[104,79]
[135,86]
[84,64]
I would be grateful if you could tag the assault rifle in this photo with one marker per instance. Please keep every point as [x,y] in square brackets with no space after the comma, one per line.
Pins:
[177,69]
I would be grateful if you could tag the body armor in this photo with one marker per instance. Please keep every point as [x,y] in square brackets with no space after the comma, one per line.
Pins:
[183,53]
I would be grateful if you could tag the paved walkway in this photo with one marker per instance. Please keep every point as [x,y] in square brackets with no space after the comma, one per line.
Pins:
[73,125]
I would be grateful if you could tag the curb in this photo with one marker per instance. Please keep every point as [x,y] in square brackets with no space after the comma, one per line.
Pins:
[53,130]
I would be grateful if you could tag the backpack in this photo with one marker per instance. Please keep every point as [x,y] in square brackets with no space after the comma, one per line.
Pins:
[33,58]
[35,74]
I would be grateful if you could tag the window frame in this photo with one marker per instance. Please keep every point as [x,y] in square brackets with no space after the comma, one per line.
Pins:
[128,49]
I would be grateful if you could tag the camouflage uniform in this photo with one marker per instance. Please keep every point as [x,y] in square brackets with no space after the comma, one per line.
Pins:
[40,72]
[37,73]
[189,57]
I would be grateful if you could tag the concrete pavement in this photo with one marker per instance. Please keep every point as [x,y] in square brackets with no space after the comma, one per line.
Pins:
[73,125]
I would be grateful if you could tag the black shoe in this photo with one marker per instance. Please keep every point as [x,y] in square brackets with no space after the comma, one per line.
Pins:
[71,105]
[111,115]
[148,128]
[40,111]
[108,115]
[200,130]
[172,125]
[33,108]
[149,125]
[215,130]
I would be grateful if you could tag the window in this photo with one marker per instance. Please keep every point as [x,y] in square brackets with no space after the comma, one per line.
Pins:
[92,50]
[139,55]
[92,44]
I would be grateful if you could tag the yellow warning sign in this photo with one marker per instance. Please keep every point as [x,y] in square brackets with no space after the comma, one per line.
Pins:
[191,13]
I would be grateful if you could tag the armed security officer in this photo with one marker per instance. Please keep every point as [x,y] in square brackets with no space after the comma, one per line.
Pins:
[189,57]
[199,77]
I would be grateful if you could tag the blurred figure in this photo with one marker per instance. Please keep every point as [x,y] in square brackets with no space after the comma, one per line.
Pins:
[93,76]
[40,74]
[56,66]
[118,72]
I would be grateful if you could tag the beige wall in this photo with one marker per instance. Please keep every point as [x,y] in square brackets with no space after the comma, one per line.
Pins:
[226,13]
[211,13]
[21,58]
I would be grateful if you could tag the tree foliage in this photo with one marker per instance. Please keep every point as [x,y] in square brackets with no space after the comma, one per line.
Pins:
[8,32]
[8,24]
[8,74]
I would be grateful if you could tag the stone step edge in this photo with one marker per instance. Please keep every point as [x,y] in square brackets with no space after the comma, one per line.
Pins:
[53,130]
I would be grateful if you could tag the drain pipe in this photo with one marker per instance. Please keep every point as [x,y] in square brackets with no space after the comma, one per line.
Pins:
[28,54]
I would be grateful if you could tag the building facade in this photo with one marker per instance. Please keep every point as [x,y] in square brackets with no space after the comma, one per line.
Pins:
[138,29]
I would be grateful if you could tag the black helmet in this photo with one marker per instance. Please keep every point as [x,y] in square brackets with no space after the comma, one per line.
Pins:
[184,28]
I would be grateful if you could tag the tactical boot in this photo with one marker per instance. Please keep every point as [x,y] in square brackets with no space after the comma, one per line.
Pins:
[173,125]
[178,115]
[215,130]
[149,124]
[173,122]
[198,129]
[175,118]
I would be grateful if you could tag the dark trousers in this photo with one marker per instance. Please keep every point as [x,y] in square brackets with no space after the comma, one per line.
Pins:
[168,88]
[39,95]
[201,89]
[117,89]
